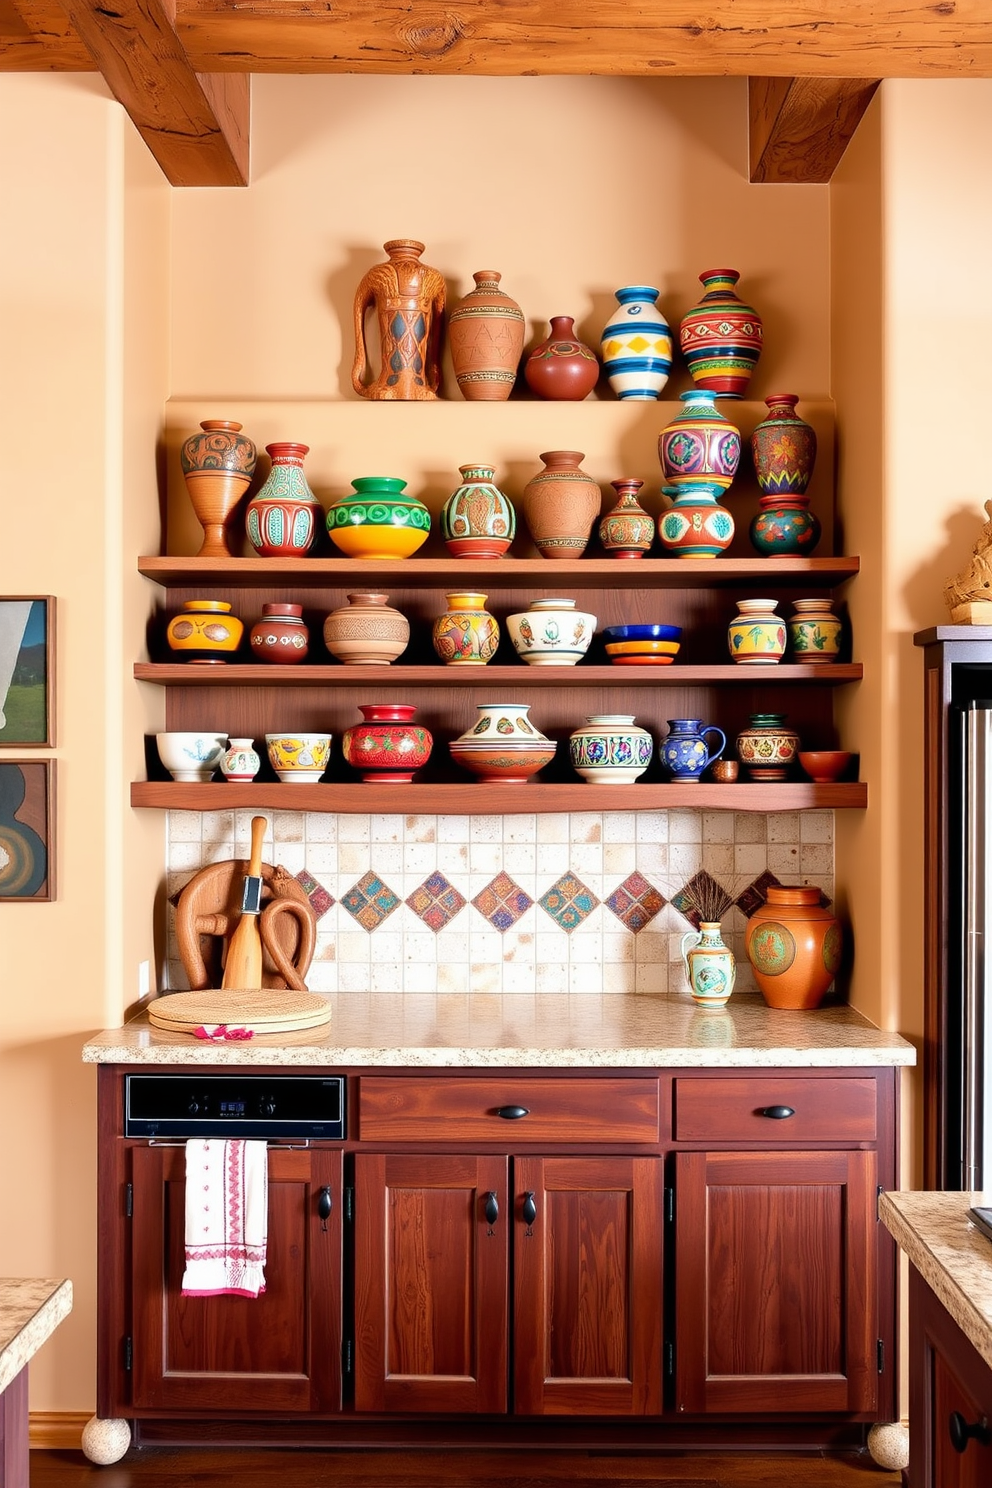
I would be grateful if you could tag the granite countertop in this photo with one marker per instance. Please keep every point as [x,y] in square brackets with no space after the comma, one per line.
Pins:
[30,1311]
[582,1031]
[952,1256]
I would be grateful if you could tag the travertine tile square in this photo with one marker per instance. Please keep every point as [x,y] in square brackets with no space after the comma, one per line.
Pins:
[684,859]
[816,859]
[586,859]
[816,826]
[322,859]
[420,828]
[419,946]
[186,855]
[519,977]
[354,976]
[685,825]
[553,859]
[323,976]
[218,826]
[485,857]
[354,828]
[750,827]
[552,828]
[453,828]
[619,859]
[520,858]
[354,857]
[485,828]
[718,826]
[520,829]
[585,826]
[619,827]
[783,861]
[187,826]
[652,826]
[651,859]
[484,977]
[551,977]
[383,829]
[291,855]
[750,858]
[321,827]
[387,976]
[453,946]
[651,979]
[288,826]
[783,826]
[452,859]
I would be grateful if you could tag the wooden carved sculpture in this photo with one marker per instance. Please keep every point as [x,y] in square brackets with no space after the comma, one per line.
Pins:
[969,596]
[408,297]
[209,908]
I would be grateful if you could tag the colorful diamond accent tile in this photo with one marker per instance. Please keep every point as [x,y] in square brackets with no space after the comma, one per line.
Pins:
[755,894]
[436,902]
[568,902]
[702,888]
[635,902]
[320,900]
[370,901]
[502,902]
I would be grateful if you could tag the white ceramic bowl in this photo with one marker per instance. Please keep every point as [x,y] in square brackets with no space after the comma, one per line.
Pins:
[299,759]
[190,756]
[552,632]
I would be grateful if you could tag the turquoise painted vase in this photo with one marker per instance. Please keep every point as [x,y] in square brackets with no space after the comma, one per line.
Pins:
[721,337]
[477,520]
[784,526]
[700,446]
[695,525]
[757,634]
[379,519]
[709,965]
[282,519]
[685,752]
[637,344]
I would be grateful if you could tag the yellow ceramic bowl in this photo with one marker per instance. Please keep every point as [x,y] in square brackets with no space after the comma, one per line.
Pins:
[642,648]
[368,541]
[298,758]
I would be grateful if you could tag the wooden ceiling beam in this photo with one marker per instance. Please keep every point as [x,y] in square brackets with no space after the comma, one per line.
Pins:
[37,36]
[799,128]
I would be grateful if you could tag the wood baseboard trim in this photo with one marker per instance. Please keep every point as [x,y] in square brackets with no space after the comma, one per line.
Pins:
[56,1431]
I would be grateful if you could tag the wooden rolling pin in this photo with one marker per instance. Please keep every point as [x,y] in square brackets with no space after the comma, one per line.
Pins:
[244,954]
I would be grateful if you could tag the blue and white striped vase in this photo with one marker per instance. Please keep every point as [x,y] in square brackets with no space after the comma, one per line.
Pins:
[637,344]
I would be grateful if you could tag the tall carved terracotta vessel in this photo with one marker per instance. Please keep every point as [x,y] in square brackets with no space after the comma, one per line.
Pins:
[560,505]
[408,299]
[218,464]
[486,336]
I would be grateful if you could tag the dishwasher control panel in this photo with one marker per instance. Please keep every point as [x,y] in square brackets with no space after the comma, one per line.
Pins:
[308,1107]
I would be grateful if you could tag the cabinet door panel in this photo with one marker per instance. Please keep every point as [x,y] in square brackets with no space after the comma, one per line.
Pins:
[279,1351]
[588,1286]
[430,1283]
[776,1298]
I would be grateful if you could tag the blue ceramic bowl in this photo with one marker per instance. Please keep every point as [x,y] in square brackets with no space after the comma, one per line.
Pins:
[642,632]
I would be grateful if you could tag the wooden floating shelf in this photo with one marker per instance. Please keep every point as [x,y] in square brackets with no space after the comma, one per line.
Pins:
[235,674]
[487,799]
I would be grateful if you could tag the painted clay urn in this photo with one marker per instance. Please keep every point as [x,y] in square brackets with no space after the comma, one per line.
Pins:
[562,367]
[560,505]
[218,464]
[486,337]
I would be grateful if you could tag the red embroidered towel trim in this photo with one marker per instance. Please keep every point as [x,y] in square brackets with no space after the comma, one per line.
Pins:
[227,1205]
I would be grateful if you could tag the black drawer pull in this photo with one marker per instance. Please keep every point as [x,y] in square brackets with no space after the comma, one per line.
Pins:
[324,1206]
[961,1433]
[512,1113]
[491,1208]
[529,1208]
[777,1113]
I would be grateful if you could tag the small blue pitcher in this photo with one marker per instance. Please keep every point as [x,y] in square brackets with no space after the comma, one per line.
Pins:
[684,753]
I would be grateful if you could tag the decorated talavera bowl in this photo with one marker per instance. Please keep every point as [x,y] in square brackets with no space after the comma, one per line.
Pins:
[552,632]
[298,759]
[190,756]
[612,633]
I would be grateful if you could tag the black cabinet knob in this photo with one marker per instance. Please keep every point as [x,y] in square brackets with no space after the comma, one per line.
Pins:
[529,1209]
[961,1433]
[777,1113]
[491,1208]
[512,1113]
[324,1206]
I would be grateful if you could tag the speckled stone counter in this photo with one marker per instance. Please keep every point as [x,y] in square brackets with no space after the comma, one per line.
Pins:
[482,1031]
[30,1311]
[952,1256]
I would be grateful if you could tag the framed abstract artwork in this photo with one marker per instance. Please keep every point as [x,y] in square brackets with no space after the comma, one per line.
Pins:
[27,830]
[27,670]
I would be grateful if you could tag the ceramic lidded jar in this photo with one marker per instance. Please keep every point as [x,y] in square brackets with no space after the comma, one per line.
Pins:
[217,464]
[609,749]
[477,520]
[562,367]
[627,531]
[685,752]
[240,761]
[783,447]
[503,745]
[721,337]
[280,636]
[709,965]
[466,634]
[378,520]
[204,631]
[695,525]
[408,299]
[388,747]
[794,946]
[551,632]
[700,446]
[766,748]
[560,505]
[486,336]
[282,518]
[757,634]
[637,344]
[367,631]
[814,631]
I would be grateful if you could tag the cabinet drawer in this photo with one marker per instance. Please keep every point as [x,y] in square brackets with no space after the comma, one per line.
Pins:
[401,1109]
[841,1110]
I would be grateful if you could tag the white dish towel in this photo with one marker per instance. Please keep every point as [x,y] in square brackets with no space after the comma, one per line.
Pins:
[227,1208]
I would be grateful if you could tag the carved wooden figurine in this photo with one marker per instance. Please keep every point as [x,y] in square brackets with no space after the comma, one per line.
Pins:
[408,297]
[209,906]
[969,596]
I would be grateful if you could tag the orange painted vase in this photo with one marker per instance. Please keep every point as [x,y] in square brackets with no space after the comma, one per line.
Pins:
[794,946]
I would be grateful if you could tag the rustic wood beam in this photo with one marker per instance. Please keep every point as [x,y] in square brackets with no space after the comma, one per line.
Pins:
[799,128]
[195,126]
[36,36]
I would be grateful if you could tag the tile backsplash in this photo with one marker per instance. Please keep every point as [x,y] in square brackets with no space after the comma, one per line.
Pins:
[587,902]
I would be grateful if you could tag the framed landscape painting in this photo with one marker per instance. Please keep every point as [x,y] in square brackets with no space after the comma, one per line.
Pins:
[27,830]
[27,670]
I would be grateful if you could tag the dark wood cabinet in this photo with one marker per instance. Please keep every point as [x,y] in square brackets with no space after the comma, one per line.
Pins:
[950,1406]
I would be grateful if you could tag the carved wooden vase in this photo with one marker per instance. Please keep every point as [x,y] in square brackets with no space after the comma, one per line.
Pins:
[408,299]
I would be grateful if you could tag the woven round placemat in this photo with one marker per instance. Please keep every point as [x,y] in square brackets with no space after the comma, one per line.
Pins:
[265,1010]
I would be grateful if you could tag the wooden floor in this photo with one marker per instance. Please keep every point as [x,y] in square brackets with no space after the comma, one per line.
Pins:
[187,1467]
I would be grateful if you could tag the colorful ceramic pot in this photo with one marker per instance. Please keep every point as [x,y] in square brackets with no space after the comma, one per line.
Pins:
[626,531]
[551,632]
[709,965]
[784,526]
[408,299]
[685,752]
[766,748]
[298,759]
[721,336]
[757,634]
[240,761]
[190,757]
[814,631]
[378,520]
[486,336]
[366,631]
[562,367]
[609,749]
[205,631]
[477,520]
[217,465]
[560,505]
[695,525]
[466,634]
[794,946]
[388,747]
[637,344]
[783,447]
[503,745]
[280,636]
[282,519]
[699,446]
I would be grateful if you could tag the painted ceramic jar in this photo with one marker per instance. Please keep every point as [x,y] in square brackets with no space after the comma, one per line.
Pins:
[695,525]
[282,519]
[784,526]
[477,520]
[388,747]
[299,759]
[700,446]
[783,447]
[503,745]
[627,531]
[636,345]
[217,464]
[466,634]
[609,749]
[379,519]
[367,631]
[814,631]
[685,752]
[721,336]
[709,965]
[240,761]
[562,367]
[408,299]
[486,336]
[551,632]
[794,946]
[280,636]
[560,505]
[204,631]
[766,748]
[757,634]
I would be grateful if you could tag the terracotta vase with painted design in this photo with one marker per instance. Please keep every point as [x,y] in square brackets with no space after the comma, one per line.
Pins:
[486,336]
[204,632]
[627,530]
[783,447]
[466,634]
[281,636]
[503,745]
[721,337]
[562,367]
[560,505]
[388,747]
[284,517]
[477,520]
[695,525]
[408,299]
[218,464]
[794,946]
